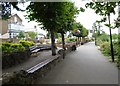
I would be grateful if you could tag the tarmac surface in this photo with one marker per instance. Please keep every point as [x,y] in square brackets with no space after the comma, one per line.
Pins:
[86,65]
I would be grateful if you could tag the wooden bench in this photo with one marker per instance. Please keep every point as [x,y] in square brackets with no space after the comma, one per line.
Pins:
[40,65]
[34,50]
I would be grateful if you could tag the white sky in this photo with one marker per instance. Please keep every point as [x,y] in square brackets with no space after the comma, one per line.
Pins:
[86,18]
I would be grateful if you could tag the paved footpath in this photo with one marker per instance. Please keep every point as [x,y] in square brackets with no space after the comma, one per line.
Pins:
[84,66]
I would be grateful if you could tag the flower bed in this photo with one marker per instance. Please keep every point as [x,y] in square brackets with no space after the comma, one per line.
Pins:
[14,53]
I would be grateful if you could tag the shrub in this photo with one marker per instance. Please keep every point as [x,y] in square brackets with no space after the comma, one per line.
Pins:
[105,47]
[11,47]
[6,47]
[17,47]
[13,54]
[26,43]
[116,48]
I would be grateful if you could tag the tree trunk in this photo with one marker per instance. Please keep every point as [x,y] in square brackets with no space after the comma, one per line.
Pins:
[79,41]
[111,45]
[76,40]
[53,46]
[63,41]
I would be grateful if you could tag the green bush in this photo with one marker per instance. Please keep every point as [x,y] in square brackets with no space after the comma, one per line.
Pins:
[13,54]
[17,47]
[11,47]
[99,42]
[26,43]
[116,48]
[6,47]
[105,47]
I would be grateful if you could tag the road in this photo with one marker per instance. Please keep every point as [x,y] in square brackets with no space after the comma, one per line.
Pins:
[86,65]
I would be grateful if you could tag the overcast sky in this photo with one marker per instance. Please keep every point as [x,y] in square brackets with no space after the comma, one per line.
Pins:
[86,18]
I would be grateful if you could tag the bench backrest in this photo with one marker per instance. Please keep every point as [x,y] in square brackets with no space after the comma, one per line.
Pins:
[40,65]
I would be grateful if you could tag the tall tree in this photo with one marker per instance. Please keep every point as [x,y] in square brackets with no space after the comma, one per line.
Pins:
[32,34]
[83,31]
[48,15]
[105,9]
[67,19]
[21,35]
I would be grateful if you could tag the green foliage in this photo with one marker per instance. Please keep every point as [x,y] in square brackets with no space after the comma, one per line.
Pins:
[119,50]
[57,15]
[67,17]
[57,35]
[105,47]
[32,34]
[11,47]
[103,37]
[115,37]
[47,14]
[103,9]
[54,16]
[6,47]
[17,47]
[81,28]
[21,35]
[6,9]
[69,40]
[26,43]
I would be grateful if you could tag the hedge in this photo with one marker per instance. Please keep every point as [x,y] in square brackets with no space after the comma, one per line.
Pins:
[26,43]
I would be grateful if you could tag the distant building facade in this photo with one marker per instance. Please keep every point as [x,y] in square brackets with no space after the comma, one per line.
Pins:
[11,27]
[15,25]
[90,33]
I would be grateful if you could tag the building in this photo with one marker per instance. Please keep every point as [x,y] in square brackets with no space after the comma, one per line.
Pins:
[90,33]
[11,27]
[40,36]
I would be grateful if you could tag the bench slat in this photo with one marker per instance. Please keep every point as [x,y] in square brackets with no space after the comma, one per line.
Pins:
[40,65]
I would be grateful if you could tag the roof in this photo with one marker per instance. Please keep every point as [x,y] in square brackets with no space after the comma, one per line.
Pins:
[16,15]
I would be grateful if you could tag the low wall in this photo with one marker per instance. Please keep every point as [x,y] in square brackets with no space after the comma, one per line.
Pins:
[11,59]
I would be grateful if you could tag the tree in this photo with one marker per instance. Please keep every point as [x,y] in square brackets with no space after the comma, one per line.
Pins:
[105,9]
[48,15]
[79,27]
[67,19]
[32,34]
[21,35]
[5,9]
[96,28]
